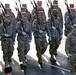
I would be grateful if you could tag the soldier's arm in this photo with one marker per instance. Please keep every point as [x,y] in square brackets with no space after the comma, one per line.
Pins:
[1,30]
[60,28]
[67,44]
[48,27]
[61,16]
[14,33]
[30,32]
[67,23]
[18,29]
[34,26]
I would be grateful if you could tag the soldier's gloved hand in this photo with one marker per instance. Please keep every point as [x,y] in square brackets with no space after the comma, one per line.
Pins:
[50,38]
[29,41]
[53,27]
[40,31]
[69,55]
[6,35]
[24,33]
[13,43]
[60,37]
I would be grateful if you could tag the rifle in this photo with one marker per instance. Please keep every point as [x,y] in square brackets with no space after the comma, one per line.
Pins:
[19,14]
[50,9]
[3,7]
[32,4]
[35,7]
[66,3]
[2,16]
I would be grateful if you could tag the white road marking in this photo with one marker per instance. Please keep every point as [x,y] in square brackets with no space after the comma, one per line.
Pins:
[57,67]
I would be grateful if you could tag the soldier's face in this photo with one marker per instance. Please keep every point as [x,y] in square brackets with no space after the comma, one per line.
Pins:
[9,13]
[55,13]
[74,30]
[22,10]
[7,20]
[24,17]
[72,13]
[40,16]
[39,4]
[8,74]
[7,7]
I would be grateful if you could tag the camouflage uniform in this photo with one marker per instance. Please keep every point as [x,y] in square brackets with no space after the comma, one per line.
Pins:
[56,31]
[7,40]
[39,32]
[24,37]
[70,48]
[69,23]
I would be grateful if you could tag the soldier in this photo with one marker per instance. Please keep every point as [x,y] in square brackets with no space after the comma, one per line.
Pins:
[8,11]
[24,37]
[69,21]
[39,32]
[8,70]
[22,10]
[28,13]
[56,6]
[66,13]
[7,33]
[12,16]
[70,48]
[39,8]
[56,30]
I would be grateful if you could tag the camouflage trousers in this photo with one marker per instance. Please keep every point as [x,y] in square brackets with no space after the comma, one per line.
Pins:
[54,44]
[41,46]
[72,61]
[23,48]
[7,48]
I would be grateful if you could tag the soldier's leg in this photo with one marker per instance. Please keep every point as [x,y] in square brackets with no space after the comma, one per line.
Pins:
[27,48]
[44,45]
[38,43]
[51,51]
[10,50]
[57,43]
[21,51]
[72,65]
[4,49]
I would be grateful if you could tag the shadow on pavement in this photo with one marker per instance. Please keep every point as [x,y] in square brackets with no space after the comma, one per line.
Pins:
[62,62]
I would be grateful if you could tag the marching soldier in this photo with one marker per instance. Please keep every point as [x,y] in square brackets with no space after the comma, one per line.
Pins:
[69,21]
[66,13]
[39,8]
[28,13]
[12,16]
[56,6]
[22,10]
[70,48]
[7,33]
[39,32]
[56,30]
[24,37]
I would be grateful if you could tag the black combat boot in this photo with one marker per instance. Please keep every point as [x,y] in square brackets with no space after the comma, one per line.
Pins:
[52,59]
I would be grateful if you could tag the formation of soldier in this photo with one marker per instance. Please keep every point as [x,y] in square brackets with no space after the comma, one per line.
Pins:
[25,23]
